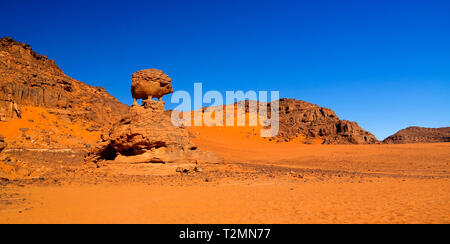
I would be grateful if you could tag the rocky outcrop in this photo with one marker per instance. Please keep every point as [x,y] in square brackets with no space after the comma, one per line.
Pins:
[146,135]
[307,123]
[299,118]
[10,167]
[2,143]
[420,135]
[29,79]
[150,83]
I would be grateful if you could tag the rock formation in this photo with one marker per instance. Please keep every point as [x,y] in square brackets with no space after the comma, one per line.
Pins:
[420,135]
[2,143]
[10,167]
[150,83]
[299,118]
[146,135]
[311,122]
[308,123]
[30,80]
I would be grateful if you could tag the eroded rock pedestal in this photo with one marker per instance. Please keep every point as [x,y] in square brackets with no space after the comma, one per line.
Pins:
[146,135]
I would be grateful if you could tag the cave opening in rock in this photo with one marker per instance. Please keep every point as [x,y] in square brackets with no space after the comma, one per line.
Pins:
[109,153]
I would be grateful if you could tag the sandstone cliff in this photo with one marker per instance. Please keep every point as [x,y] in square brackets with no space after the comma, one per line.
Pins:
[420,135]
[33,88]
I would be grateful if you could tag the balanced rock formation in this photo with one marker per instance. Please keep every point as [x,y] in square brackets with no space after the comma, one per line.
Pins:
[420,135]
[32,82]
[299,118]
[150,83]
[146,135]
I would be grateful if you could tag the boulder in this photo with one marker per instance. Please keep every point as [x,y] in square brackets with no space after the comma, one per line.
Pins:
[150,83]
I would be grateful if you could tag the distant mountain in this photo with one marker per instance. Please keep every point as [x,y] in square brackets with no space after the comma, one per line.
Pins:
[420,135]
[41,106]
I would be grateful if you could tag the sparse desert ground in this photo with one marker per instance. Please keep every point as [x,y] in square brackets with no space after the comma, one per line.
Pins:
[260,182]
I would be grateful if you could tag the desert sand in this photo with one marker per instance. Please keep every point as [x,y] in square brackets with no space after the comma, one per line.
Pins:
[259,182]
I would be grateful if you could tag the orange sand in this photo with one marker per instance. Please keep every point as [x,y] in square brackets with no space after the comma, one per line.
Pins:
[37,119]
[410,159]
[391,184]
[228,135]
[389,201]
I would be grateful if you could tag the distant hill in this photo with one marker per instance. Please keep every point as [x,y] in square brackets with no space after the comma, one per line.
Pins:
[420,135]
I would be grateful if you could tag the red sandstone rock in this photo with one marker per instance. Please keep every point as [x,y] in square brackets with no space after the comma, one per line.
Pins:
[314,122]
[146,135]
[150,83]
[30,79]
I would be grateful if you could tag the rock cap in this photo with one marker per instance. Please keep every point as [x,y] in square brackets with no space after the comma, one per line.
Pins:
[150,83]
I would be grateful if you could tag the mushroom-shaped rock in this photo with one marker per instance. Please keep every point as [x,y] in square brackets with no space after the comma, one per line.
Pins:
[150,83]
[146,133]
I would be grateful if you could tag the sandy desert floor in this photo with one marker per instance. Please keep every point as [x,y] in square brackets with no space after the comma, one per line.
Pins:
[259,182]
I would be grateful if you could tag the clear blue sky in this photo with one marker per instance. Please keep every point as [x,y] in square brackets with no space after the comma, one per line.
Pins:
[384,64]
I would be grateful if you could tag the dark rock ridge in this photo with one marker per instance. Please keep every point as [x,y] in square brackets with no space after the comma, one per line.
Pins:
[30,79]
[420,135]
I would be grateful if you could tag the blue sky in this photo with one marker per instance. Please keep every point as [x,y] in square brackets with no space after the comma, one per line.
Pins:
[384,64]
